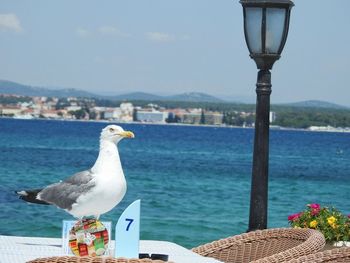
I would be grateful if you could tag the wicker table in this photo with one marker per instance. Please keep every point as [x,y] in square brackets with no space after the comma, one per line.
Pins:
[14,249]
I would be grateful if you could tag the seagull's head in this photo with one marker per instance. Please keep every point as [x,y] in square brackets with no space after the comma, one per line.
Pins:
[115,133]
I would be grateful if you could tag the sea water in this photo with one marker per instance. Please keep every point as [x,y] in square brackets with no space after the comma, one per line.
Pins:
[194,181]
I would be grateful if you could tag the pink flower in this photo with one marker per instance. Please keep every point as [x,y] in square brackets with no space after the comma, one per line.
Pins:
[315,212]
[348,216]
[315,209]
[314,206]
[294,216]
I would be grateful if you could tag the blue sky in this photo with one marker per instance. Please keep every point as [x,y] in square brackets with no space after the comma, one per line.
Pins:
[169,47]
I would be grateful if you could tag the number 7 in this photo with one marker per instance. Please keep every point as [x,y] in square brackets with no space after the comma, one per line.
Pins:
[129,224]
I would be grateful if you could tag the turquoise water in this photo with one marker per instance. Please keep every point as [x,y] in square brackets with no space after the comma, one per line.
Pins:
[194,182]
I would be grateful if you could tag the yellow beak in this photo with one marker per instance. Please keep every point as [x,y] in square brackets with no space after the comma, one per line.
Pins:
[127,134]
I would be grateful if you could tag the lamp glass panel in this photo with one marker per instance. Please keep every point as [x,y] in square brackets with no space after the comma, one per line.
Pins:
[275,18]
[253,22]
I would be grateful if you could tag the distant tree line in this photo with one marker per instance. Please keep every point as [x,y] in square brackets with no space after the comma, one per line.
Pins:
[8,100]
[209,106]
[306,117]
[236,119]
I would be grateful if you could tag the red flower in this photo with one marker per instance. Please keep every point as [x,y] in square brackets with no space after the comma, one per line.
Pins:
[294,216]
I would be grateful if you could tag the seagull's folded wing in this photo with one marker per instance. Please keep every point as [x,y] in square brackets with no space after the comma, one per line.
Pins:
[66,193]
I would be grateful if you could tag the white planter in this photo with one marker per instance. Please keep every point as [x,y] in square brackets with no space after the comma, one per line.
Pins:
[342,244]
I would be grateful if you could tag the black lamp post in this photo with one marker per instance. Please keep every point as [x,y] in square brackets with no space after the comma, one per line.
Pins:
[266,25]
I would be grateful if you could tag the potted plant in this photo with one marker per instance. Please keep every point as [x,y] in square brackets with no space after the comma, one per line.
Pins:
[331,222]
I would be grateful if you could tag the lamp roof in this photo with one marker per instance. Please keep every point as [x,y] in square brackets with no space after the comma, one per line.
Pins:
[267,3]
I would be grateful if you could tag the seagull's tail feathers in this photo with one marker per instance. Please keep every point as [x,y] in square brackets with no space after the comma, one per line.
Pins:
[31,196]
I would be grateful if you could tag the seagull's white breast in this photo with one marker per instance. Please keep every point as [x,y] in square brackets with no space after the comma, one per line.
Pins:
[109,189]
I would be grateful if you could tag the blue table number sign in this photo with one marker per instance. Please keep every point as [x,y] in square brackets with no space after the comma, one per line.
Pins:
[127,232]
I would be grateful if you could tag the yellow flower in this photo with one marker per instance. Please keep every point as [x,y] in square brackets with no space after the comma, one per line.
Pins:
[313,224]
[331,220]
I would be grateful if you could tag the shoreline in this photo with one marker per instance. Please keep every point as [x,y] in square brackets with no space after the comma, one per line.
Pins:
[272,127]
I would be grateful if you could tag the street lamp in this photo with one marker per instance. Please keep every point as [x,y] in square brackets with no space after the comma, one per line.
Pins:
[266,24]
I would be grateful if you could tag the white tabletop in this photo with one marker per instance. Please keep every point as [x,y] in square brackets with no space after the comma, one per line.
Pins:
[14,249]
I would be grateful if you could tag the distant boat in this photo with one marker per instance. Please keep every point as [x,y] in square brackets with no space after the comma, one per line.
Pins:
[23,116]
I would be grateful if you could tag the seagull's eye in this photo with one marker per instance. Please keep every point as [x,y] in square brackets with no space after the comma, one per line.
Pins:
[111,130]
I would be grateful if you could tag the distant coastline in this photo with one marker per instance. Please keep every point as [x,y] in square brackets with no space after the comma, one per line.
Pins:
[272,127]
[174,113]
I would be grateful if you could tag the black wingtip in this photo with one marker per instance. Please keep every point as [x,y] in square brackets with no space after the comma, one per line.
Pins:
[31,196]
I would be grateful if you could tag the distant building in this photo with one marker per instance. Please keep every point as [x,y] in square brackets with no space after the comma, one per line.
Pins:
[151,116]
[99,109]
[72,99]
[126,112]
[195,117]
[10,110]
[73,108]
[191,118]
[272,116]
[50,114]
[213,118]
[25,105]
[65,114]
[112,114]
[96,113]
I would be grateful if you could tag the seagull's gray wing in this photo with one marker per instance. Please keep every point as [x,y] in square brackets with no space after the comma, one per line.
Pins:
[66,193]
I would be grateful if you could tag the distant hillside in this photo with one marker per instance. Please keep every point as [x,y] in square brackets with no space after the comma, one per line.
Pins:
[315,104]
[136,96]
[186,97]
[9,87]
[193,96]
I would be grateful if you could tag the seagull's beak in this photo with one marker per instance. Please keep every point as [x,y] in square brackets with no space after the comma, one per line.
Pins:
[127,134]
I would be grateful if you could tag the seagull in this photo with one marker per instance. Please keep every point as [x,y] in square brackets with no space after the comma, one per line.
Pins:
[92,192]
